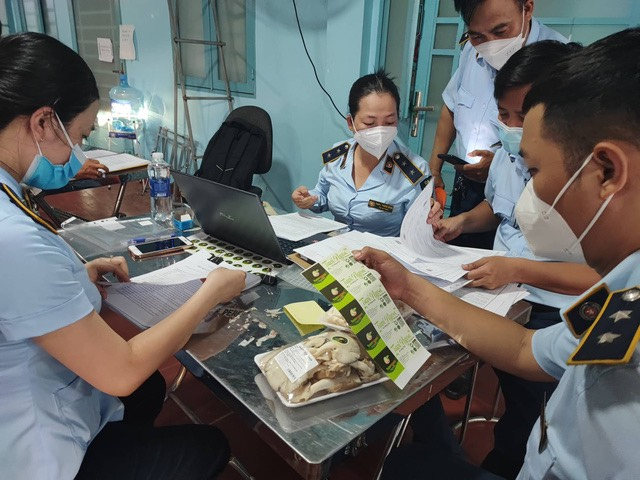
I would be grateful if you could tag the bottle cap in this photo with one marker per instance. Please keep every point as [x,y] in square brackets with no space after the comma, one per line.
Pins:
[157,156]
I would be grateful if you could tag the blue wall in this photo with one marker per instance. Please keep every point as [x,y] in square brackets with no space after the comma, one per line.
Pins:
[304,122]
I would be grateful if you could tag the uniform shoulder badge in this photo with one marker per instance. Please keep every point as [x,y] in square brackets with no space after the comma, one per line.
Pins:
[407,167]
[614,334]
[388,165]
[335,153]
[581,314]
[425,182]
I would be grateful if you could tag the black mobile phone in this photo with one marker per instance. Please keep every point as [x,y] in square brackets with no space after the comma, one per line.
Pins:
[452,159]
[159,247]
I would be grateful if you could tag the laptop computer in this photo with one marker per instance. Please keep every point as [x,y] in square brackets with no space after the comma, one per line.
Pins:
[235,216]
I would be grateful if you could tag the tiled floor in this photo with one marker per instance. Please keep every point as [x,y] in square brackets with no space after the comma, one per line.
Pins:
[252,451]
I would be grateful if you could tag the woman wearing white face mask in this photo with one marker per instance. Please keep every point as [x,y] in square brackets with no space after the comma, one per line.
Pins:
[369,181]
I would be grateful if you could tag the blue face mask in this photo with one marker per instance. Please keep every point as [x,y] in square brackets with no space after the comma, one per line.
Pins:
[510,137]
[47,176]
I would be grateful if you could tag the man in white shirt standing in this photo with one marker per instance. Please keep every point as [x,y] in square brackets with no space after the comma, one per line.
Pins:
[496,30]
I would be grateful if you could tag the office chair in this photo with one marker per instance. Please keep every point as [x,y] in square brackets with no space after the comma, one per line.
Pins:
[242,147]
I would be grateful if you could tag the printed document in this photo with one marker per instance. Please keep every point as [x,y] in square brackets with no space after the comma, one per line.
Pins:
[149,298]
[297,226]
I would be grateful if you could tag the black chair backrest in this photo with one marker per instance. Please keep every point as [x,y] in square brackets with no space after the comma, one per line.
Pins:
[259,118]
[240,148]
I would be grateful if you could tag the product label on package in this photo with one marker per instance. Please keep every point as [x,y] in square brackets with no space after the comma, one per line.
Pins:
[371,314]
[295,361]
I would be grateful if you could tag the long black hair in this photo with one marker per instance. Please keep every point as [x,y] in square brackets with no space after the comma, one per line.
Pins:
[36,71]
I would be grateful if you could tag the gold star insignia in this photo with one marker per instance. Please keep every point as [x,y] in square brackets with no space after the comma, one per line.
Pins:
[621,315]
[607,337]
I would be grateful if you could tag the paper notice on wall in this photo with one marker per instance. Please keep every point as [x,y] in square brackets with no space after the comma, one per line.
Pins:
[127,49]
[371,314]
[105,50]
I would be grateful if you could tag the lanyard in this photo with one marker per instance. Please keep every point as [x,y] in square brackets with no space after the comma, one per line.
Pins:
[18,203]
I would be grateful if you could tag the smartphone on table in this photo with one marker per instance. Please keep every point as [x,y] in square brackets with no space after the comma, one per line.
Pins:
[452,159]
[140,251]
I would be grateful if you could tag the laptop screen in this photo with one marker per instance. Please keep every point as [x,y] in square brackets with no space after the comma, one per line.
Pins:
[231,215]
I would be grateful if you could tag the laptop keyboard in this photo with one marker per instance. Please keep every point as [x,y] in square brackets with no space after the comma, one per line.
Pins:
[288,246]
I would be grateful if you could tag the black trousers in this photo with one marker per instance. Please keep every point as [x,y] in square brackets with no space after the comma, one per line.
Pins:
[134,449]
[523,402]
[465,196]
[435,453]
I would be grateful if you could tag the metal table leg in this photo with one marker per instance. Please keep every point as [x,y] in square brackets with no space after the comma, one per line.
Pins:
[393,442]
[119,199]
[467,405]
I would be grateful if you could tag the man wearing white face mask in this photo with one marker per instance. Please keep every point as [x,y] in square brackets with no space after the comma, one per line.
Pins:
[370,181]
[580,144]
[496,30]
[550,284]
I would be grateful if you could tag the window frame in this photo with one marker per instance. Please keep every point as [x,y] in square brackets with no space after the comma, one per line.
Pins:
[212,82]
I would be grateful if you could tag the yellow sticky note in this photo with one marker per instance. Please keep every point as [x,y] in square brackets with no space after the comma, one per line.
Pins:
[305,316]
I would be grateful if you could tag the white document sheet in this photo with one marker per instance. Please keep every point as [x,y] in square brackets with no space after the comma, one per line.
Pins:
[194,267]
[116,161]
[127,47]
[355,240]
[498,301]
[105,50]
[417,235]
[149,298]
[296,226]
[318,251]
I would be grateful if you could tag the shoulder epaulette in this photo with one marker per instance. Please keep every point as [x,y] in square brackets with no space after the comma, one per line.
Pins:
[335,153]
[612,337]
[407,167]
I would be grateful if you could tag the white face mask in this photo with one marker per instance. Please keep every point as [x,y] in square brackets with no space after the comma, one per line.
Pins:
[497,52]
[375,140]
[547,233]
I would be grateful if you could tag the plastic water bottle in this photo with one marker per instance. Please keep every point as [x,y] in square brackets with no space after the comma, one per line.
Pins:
[160,190]
[126,103]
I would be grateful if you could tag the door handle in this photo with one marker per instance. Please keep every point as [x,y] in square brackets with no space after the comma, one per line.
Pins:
[415,112]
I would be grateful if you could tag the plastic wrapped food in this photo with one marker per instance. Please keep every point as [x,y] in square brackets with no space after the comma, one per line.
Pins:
[320,365]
